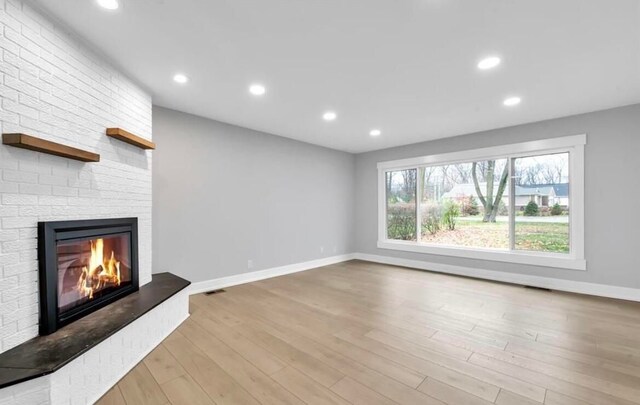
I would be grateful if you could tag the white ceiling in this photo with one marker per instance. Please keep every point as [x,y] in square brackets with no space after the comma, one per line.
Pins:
[407,67]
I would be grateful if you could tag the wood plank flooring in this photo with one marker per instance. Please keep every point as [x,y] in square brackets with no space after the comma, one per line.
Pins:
[364,333]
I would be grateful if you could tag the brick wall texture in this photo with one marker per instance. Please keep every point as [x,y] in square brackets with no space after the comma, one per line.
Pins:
[54,87]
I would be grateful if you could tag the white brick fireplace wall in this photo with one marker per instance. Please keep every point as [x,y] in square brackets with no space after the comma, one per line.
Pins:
[53,86]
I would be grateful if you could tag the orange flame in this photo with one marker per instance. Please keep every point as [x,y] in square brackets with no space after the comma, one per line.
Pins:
[100,273]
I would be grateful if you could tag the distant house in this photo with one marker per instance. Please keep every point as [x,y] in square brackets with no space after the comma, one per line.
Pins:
[545,195]
[561,190]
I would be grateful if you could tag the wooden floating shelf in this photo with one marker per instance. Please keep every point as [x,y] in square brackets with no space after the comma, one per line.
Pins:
[52,148]
[130,138]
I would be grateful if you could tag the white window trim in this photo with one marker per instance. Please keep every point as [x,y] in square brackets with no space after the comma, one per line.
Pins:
[575,260]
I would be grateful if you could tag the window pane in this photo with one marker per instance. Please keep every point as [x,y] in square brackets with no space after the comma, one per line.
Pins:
[465,204]
[542,203]
[401,204]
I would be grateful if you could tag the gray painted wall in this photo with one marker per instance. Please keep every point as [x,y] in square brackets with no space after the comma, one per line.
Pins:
[224,195]
[612,193]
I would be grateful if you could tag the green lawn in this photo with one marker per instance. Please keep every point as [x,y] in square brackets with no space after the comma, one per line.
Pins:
[543,237]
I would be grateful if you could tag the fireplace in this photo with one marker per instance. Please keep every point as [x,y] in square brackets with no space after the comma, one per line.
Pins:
[84,265]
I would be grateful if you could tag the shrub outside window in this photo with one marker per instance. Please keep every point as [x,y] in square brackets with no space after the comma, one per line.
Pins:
[401,204]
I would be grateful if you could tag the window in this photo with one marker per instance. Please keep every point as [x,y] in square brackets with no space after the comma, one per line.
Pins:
[519,203]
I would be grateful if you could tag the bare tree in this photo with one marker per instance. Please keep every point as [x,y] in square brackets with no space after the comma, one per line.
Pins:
[529,175]
[409,181]
[541,170]
[553,171]
[425,175]
[463,173]
[490,203]
[445,183]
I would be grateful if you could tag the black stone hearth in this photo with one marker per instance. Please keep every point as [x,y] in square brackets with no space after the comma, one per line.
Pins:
[45,354]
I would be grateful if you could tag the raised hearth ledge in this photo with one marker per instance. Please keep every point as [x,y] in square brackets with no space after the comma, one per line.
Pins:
[82,361]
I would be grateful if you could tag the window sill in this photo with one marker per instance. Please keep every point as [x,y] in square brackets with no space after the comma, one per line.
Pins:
[531,258]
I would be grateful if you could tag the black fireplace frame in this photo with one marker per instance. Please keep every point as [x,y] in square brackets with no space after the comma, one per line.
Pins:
[49,233]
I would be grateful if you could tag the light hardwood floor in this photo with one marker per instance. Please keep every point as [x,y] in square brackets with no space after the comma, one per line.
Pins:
[364,333]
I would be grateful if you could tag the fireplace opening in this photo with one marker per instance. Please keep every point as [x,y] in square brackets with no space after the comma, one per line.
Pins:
[91,268]
[84,265]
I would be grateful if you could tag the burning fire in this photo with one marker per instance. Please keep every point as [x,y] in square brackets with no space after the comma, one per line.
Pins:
[100,272]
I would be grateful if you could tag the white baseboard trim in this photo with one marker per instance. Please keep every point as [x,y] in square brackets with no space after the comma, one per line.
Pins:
[223,282]
[580,287]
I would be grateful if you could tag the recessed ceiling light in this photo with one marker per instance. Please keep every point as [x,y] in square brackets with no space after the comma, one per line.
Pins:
[109,4]
[257,89]
[329,116]
[375,132]
[489,63]
[512,101]
[180,78]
